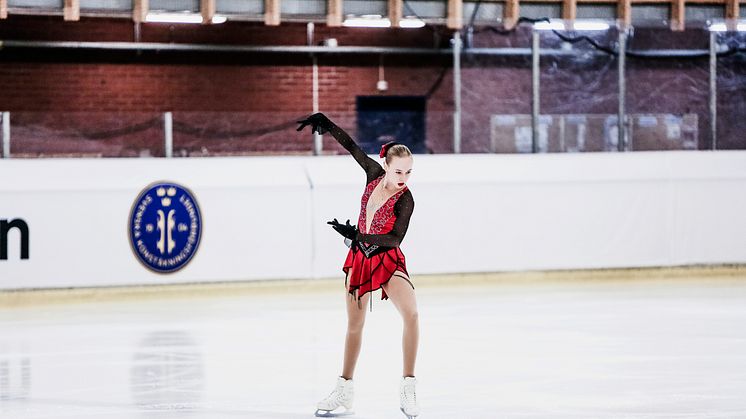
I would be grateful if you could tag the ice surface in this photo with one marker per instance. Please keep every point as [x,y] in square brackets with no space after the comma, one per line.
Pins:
[669,348]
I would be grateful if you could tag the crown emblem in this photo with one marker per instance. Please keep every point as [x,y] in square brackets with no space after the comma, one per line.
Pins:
[163,192]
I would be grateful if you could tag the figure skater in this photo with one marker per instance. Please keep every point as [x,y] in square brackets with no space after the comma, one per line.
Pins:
[375,261]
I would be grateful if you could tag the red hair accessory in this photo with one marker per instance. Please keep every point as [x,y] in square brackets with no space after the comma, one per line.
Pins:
[385,148]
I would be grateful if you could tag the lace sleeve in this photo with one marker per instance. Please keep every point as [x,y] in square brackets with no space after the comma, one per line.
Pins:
[403,211]
[371,167]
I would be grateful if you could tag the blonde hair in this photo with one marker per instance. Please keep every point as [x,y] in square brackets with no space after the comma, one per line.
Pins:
[397,150]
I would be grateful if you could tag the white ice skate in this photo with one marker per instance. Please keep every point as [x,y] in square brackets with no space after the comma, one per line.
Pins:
[341,396]
[408,397]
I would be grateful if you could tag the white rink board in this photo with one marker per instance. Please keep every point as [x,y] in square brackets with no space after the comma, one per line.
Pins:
[78,213]
[265,217]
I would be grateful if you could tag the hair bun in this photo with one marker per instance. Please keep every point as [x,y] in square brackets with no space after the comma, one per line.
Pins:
[385,148]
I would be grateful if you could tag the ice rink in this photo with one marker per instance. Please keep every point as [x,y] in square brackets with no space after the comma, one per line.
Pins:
[623,346]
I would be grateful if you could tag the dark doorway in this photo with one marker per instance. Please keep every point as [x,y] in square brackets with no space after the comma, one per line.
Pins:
[381,119]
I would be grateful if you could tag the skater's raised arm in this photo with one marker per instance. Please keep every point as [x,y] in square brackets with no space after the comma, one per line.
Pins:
[371,167]
[403,211]
[320,123]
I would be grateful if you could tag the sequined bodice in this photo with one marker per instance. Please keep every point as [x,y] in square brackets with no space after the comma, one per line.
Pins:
[383,218]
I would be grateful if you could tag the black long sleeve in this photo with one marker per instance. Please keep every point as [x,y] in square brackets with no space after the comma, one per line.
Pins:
[403,211]
[371,167]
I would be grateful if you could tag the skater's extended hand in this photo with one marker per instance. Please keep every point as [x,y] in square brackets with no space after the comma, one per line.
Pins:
[318,122]
[347,230]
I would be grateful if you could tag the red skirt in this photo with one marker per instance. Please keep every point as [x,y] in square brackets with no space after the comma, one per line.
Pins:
[368,274]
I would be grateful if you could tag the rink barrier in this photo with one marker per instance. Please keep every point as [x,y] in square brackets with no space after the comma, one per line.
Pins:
[264,218]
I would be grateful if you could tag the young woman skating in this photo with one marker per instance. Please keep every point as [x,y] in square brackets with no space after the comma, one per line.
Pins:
[375,261]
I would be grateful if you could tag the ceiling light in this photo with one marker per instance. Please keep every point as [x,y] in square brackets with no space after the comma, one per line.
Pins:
[722,27]
[411,22]
[181,18]
[590,25]
[552,24]
[367,21]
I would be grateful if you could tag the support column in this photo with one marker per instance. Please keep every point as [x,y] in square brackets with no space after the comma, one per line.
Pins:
[621,114]
[168,130]
[318,144]
[457,92]
[713,90]
[6,135]
[536,97]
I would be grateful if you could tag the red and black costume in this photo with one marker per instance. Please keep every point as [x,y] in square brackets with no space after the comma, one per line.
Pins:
[374,255]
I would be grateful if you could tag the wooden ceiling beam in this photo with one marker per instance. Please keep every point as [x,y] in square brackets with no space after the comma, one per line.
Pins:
[395,12]
[569,9]
[72,10]
[140,10]
[207,8]
[510,13]
[455,14]
[731,9]
[633,1]
[624,12]
[611,1]
[678,15]
[272,12]
[334,13]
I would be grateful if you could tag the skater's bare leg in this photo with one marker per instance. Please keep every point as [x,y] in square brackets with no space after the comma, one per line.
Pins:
[401,293]
[355,323]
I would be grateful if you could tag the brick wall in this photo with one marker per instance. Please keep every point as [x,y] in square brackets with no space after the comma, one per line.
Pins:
[238,102]
[222,102]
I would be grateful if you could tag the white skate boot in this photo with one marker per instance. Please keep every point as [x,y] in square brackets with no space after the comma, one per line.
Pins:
[342,395]
[408,397]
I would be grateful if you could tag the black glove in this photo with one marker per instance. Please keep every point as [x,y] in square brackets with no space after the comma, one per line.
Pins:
[318,122]
[347,230]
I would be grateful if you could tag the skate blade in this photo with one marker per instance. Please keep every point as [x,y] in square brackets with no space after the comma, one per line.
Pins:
[329,414]
[408,416]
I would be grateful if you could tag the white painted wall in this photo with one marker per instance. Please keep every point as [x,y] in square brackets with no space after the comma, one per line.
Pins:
[265,217]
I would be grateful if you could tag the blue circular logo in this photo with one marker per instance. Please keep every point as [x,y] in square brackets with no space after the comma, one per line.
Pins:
[165,226]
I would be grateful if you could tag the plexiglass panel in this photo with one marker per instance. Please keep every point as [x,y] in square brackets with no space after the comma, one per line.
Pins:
[410,98]
[731,92]
[495,90]
[239,133]
[667,98]
[86,134]
[579,89]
